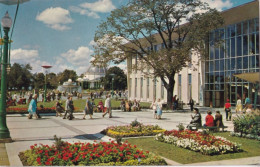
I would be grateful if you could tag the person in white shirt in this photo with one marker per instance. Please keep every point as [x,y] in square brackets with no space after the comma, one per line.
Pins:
[108,107]
[153,106]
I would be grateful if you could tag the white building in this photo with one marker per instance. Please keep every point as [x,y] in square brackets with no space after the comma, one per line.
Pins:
[92,76]
[187,84]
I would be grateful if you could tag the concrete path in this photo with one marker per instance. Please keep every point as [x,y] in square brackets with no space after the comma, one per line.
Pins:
[26,132]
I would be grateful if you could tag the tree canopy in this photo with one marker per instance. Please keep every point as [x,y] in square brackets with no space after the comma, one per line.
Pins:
[120,81]
[160,33]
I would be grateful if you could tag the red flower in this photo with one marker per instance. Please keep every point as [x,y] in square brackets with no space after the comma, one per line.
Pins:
[121,155]
[136,156]
[38,159]
[47,163]
[91,155]
[143,156]
[134,146]
[90,159]
[147,152]
[32,147]
[65,158]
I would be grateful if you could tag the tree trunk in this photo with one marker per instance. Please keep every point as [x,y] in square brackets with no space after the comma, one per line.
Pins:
[170,89]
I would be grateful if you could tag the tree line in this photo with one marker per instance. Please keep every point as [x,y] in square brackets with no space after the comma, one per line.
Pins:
[20,77]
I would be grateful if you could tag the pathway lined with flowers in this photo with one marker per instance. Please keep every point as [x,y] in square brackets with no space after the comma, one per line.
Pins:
[26,132]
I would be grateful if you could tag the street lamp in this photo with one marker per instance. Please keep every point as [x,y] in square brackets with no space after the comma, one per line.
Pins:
[4,131]
[45,85]
[112,81]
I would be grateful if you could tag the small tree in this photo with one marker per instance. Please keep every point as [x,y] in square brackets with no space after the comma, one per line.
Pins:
[182,26]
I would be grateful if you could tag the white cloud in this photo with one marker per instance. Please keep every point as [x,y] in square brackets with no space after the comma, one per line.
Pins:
[219,4]
[91,9]
[102,6]
[55,18]
[82,11]
[23,54]
[79,58]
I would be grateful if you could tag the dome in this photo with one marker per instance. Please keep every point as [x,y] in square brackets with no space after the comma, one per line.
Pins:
[95,70]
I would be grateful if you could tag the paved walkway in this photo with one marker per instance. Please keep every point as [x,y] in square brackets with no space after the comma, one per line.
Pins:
[26,132]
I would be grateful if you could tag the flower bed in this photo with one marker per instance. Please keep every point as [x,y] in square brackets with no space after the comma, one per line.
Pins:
[83,154]
[132,131]
[197,141]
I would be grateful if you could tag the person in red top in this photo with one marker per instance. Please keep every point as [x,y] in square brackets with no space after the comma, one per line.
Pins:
[228,110]
[209,120]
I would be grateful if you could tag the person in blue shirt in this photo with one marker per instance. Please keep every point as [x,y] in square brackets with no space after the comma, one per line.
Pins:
[33,107]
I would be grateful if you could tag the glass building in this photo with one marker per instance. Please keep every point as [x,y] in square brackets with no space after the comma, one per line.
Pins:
[233,49]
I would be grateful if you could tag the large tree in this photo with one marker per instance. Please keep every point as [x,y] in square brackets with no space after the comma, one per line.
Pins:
[20,76]
[120,80]
[182,26]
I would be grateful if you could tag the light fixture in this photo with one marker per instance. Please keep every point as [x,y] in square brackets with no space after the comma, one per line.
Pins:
[6,21]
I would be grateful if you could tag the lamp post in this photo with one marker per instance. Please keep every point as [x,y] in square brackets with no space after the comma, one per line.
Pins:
[45,85]
[4,131]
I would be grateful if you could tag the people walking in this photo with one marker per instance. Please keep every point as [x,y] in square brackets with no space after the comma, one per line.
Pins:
[108,106]
[33,108]
[239,106]
[59,109]
[159,109]
[153,106]
[191,103]
[88,108]
[70,108]
[228,110]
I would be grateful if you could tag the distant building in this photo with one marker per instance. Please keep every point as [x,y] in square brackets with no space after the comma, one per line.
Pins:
[211,82]
[91,78]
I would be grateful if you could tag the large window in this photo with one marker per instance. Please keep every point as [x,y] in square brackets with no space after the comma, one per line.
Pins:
[179,86]
[147,88]
[141,91]
[238,54]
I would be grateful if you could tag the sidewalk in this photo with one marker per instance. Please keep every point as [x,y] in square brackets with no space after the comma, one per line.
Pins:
[26,132]
[4,161]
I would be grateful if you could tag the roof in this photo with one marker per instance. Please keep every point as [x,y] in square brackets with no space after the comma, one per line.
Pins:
[95,70]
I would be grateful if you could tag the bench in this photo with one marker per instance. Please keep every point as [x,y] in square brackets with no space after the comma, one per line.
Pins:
[212,128]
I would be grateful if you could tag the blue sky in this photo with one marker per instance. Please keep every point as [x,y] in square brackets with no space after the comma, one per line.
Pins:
[60,32]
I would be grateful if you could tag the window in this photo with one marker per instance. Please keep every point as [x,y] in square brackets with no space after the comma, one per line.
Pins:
[135,87]
[179,86]
[154,88]
[147,88]
[141,91]
[189,86]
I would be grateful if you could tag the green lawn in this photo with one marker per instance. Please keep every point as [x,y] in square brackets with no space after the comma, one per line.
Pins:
[80,104]
[184,156]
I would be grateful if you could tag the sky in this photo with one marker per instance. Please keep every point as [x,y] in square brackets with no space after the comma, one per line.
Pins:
[60,33]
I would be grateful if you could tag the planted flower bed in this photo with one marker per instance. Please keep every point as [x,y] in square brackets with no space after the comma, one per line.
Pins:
[134,129]
[198,141]
[85,154]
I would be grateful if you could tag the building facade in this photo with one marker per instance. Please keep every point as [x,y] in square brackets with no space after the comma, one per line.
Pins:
[211,82]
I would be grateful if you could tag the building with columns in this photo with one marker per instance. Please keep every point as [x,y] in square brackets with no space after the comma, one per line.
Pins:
[211,82]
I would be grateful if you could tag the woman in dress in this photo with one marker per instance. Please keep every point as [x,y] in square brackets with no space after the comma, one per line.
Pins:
[159,109]
[88,108]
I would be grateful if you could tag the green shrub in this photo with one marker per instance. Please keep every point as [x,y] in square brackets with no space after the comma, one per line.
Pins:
[247,124]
